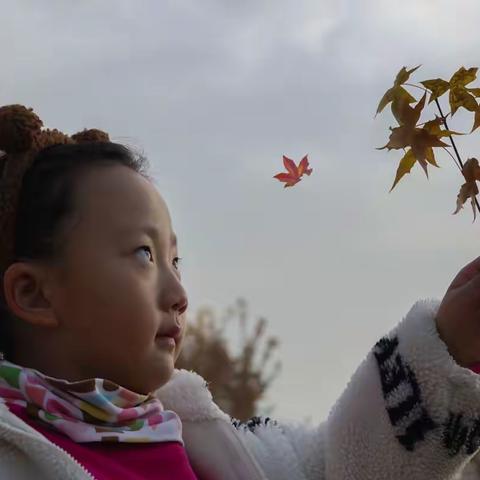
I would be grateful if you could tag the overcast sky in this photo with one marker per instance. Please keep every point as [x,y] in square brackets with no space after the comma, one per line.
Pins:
[215,92]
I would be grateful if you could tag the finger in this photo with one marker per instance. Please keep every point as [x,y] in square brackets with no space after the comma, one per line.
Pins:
[466,274]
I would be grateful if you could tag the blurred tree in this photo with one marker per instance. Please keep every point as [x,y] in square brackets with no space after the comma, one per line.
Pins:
[237,380]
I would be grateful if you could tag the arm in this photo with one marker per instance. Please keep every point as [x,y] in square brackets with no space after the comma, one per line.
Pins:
[409,412]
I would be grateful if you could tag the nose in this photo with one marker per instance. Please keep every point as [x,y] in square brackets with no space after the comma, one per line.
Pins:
[179,308]
[182,305]
[173,295]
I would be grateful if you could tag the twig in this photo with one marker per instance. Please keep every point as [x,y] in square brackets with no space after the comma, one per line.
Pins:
[453,144]
[454,159]
[416,86]
[444,120]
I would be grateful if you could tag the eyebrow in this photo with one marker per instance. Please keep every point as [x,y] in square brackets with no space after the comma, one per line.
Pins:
[153,232]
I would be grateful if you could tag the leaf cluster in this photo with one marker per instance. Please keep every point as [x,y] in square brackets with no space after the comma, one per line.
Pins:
[420,140]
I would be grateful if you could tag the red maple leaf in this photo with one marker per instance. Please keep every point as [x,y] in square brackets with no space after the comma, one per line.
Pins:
[294,172]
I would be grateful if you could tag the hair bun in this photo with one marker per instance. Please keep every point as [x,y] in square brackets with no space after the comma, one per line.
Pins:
[49,137]
[21,131]
[91,135]
[19,128]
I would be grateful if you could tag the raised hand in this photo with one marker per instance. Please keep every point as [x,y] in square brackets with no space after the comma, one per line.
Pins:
[458,317]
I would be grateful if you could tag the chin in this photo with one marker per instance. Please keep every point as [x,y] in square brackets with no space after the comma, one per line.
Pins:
[147,385]
[162,376]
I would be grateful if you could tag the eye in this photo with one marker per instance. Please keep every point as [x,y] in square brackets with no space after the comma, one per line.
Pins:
[145,248]
[177,260]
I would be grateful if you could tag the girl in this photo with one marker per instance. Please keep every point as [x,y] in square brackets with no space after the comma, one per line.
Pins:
[93,318]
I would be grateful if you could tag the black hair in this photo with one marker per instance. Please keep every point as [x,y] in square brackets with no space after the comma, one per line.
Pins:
[46,204]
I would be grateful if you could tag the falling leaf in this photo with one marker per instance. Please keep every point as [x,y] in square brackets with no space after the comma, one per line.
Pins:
[471,172]
[397,92]
[294,172]
[437,86]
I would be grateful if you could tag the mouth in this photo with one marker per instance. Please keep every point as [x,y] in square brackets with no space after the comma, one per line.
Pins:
[169,338]
[166,341]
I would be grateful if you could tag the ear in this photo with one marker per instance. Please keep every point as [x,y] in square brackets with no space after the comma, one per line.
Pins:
[28,294]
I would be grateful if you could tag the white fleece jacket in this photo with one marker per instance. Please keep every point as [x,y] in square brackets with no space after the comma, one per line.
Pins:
[408,412]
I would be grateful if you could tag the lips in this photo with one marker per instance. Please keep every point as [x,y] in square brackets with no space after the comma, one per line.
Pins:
[174,333]
[166,341]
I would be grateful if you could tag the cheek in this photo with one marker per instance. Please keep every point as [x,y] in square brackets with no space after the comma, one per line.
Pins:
[108,299]
[120,311]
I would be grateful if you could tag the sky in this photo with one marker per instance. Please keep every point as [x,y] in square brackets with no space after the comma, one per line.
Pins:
[214,93]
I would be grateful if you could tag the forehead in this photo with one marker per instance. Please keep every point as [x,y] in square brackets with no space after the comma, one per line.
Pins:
[117,199]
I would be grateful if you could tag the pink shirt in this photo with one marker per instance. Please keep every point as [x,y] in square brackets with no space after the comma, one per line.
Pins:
[475,367]
[107,461]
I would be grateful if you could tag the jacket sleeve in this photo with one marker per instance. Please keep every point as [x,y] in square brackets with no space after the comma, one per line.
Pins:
[409,412]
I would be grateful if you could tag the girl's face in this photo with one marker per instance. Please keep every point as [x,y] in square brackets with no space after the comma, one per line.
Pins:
[120,287]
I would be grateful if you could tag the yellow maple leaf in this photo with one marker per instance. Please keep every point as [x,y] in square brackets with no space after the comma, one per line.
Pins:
[474,91]
[422,143]
[433,126]
[405,114]
[459,95]
[437,86]
[420,140]
[476,121]
[406,164]
[471,172]
[407,117]
[430,157]
[403,75]
[463,77]
[397,92]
